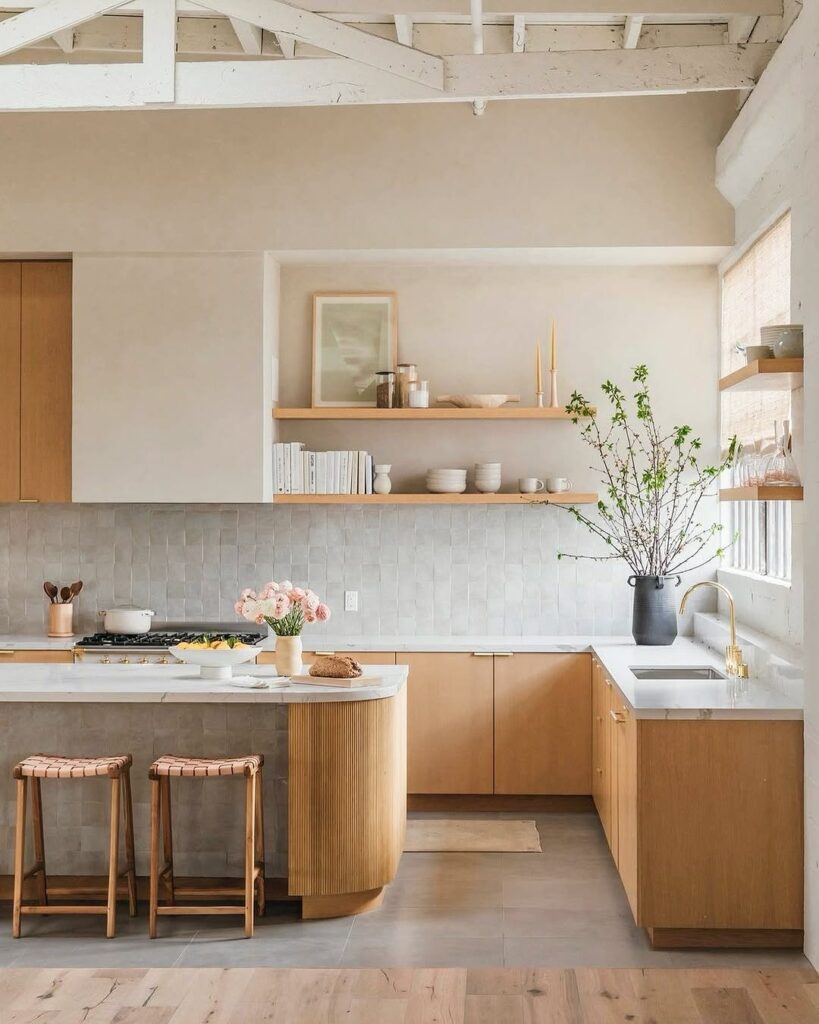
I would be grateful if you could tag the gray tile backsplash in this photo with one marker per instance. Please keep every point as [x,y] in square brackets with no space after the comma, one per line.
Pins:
[420,570]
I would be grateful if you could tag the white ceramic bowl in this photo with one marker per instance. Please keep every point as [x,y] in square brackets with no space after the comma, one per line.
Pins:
[446,488]
[215,664]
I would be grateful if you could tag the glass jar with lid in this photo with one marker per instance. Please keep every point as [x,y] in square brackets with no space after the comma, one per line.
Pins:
[419,394]
[406,375]
[385,389]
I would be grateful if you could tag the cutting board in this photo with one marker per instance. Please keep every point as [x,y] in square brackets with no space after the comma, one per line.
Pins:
[331,681]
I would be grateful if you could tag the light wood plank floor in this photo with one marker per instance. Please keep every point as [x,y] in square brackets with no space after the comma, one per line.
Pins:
[424,996]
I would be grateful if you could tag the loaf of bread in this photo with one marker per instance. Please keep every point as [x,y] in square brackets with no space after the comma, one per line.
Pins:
[336,666]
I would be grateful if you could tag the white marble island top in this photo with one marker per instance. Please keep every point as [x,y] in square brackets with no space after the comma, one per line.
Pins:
[180,684]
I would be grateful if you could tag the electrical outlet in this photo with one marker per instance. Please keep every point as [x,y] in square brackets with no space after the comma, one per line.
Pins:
[350,600]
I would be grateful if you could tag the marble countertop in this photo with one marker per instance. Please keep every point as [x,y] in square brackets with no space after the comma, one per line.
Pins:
[180,684]
[774,691]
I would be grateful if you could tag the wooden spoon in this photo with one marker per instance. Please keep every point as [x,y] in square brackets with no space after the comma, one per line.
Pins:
[75,589]
[51,591]
[65,595]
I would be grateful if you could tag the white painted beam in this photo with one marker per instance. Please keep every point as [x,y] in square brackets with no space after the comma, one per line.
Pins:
[249,36]
[159,50]
[334,81]
[740,28]
[632,30]
[336,37]
[42,22]
[287,44]
[403,29]
[519,33]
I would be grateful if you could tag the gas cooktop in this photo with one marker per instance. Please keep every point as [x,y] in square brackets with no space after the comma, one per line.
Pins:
[161,640]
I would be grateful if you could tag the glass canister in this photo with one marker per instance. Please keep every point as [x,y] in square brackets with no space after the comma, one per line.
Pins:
[419,394]
[780,468]
[407,374]
[385,389]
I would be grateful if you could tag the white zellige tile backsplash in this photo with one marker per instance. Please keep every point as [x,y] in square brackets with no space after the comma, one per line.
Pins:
[422,570]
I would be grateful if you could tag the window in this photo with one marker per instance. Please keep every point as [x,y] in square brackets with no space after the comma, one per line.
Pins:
[756,292]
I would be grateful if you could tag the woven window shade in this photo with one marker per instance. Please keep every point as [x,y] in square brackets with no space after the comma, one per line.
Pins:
[756,291]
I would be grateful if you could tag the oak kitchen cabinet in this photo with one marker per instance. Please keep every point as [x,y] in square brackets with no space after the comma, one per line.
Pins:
[543,724]
[499,723]
[30,657]
[704,821]
[35,385]
[365,657]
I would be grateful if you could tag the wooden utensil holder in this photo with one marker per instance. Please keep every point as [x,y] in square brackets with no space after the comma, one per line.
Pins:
[61,620]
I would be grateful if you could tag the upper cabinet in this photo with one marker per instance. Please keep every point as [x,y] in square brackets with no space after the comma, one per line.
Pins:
[173,358]
[35,386]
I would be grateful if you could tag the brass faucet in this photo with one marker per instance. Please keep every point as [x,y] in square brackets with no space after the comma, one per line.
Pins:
[734,665]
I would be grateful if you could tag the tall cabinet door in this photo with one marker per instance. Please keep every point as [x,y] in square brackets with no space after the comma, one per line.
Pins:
[45,395]
[449,723]
[10,276]
[543,724]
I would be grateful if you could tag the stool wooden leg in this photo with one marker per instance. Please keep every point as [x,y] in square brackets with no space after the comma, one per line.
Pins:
[113,860]
[167,837]
[250,849]
[39,843]
[153,898]
[260,894]
[130,860]
[19,854]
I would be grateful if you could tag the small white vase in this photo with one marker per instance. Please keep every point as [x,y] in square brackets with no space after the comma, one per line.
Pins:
[288,655]
[382,483]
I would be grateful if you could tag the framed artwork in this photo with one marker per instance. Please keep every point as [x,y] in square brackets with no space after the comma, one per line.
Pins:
[355,334]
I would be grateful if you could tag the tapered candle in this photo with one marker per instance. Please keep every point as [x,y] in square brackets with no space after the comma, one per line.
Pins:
[538,373]
[554,347]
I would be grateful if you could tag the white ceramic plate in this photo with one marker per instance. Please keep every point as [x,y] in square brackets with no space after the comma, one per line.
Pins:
[215,664]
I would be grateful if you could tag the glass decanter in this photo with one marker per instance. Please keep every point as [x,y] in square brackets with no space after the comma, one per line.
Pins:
[780,469]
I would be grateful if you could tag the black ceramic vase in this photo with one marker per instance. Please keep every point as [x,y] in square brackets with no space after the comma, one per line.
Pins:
[654,612]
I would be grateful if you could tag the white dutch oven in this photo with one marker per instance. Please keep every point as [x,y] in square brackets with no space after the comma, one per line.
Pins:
[127,619]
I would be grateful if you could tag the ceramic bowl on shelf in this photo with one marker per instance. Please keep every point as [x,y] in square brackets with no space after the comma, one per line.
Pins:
[476,401]
[786,340]
[215,664]
[755,352]
[446,481]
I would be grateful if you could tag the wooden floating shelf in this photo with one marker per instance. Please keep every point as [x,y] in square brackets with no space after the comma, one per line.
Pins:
[566,498]
[761,494]
[766,375]
[505,412]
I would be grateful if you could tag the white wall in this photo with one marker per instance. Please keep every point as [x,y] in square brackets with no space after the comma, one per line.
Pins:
[474,329]
[770,160]
[631,171]
[171,377]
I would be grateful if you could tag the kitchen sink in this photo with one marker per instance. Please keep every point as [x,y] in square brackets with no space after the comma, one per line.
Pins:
[676,672]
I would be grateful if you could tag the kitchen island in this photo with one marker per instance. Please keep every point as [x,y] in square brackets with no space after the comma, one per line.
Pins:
[335,771]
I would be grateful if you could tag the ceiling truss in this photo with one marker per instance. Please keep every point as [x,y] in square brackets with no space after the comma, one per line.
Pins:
[123,54]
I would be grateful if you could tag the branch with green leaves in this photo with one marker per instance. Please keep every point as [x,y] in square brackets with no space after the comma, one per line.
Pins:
[653,485]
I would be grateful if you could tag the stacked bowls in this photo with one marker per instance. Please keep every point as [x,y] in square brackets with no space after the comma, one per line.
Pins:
[446,481]
[784,339]
[487,477]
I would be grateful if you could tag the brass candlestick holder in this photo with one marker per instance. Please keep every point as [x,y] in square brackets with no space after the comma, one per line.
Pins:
[539,397]
[553,402]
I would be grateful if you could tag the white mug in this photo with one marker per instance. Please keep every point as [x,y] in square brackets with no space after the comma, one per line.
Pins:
[556,484]
[530,485]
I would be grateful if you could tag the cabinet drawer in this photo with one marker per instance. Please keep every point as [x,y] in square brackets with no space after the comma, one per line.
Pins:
[15,657]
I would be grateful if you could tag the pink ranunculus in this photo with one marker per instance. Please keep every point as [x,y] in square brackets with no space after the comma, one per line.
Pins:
[259,620]
[322,612]
[266,592]
[296,595]
[285,585]
[274,586]
[309,616]
[310,601]
[239,607]
[281,606]
[247,593]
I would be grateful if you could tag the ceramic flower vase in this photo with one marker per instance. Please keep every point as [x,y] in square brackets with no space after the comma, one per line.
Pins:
[288,655]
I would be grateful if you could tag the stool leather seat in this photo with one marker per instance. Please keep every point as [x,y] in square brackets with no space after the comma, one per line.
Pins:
[172,766]
[53,766]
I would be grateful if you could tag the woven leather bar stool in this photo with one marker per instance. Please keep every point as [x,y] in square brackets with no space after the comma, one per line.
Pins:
[170,767]
[45,766]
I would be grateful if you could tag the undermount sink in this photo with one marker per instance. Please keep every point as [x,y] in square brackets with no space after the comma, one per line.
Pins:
[676,672]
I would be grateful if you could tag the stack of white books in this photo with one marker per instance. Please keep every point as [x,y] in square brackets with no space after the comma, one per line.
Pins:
[296,471]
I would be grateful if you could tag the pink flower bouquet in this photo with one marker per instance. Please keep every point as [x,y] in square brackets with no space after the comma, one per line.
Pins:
[285,608]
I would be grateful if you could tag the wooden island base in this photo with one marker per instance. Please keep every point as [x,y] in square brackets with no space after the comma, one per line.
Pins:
[725,938]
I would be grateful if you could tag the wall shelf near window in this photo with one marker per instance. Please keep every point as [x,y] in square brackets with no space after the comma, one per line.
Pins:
[761,494]
[565,498]
[765,375]
[505,412]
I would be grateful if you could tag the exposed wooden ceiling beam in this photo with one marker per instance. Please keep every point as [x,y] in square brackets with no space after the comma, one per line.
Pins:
[335,81]
[159,50]
[632,30]
[43,22]
[403,29]
[721,9]
[740,28]
[65,40]
[336,37]
[519,33]
[249,36]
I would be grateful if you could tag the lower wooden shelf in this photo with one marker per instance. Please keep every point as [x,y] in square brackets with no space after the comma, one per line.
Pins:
[761,494]
[566,498]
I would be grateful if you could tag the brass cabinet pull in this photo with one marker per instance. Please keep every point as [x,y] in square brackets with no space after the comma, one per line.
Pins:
[503,654]
[481,654]
[8,652]
[29,501]
[324,654]
[618,717]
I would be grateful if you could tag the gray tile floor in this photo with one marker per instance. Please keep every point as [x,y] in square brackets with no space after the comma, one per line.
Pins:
[563,907]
